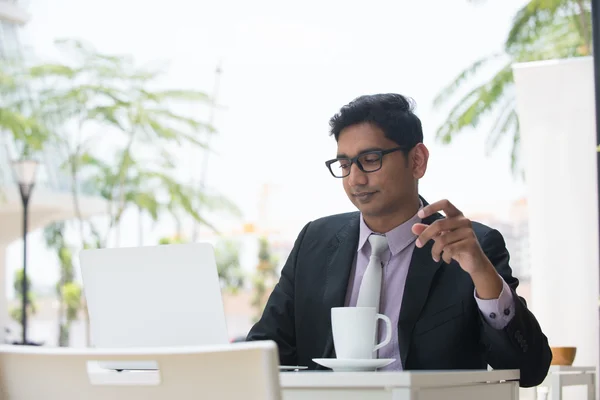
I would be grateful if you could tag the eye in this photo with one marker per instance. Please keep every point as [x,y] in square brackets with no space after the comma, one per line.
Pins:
[370,158]
[344,164]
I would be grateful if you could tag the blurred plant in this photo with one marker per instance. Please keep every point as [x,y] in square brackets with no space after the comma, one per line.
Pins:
[68,292]
[541,30]
[18,114]
[16,311]
[116,134]
[172,240]
[265,277]
[227,255]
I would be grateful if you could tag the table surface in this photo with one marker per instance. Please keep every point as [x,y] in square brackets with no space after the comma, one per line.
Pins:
[328,379]
[569,368]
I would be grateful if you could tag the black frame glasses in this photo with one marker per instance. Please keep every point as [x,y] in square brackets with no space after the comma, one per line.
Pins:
[356,160]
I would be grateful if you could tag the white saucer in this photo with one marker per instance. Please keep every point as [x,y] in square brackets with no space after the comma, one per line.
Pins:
[347,365]
[291,367]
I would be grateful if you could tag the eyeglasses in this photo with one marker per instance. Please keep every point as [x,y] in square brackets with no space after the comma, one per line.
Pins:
[369,161]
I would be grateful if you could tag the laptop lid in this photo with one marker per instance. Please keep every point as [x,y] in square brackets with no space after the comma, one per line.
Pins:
[165,295]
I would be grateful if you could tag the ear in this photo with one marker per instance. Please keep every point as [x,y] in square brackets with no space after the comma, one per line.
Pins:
[419,157]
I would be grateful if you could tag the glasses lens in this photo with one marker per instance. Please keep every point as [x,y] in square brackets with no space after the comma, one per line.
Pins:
[340,168]
[370,161]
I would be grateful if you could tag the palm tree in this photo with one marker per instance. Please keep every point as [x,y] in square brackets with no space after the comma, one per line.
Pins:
[151,189]
[90,99]
[96,96]
[541,30]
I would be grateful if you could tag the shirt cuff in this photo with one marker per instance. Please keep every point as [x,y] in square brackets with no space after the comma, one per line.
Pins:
[498,312]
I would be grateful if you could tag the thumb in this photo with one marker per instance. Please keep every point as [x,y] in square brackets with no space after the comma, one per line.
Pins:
[418,228]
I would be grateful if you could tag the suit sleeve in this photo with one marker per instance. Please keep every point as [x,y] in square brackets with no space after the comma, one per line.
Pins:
[277,322]
[521,344]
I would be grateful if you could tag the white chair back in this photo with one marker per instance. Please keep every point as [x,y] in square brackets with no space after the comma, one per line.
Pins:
[248,371]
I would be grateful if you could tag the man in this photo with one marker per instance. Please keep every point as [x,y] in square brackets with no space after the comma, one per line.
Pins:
[444,281]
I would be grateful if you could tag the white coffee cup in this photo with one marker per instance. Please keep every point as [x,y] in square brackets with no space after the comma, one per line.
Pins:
[354,330]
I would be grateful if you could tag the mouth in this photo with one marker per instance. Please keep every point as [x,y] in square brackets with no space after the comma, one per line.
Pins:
[364,195]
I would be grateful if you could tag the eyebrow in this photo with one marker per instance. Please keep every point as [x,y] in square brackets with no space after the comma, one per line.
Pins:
[342,155]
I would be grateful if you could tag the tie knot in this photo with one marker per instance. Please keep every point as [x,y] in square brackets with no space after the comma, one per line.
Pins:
[379,244]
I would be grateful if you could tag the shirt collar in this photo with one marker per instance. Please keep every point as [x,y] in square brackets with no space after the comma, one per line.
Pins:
[398,238]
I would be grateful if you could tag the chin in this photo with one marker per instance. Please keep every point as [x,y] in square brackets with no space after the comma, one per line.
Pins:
[369,210]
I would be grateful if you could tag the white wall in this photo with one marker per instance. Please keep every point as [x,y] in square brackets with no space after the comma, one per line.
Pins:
[556,107]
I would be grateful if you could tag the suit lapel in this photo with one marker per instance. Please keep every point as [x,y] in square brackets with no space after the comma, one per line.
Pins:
[421,272]
[341,252]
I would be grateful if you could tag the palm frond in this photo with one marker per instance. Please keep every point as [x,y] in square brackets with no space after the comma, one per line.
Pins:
[478,102]
[465,75]
[558,39]
[160,96]
[514,154]
[505,121]
[530,20]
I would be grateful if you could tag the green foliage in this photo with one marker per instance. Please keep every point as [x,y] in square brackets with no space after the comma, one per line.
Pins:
[541,30]
[171,240]
[89,99]
[118,133]
[265,277]
[71,295]
[18,115]
[16,312]
[68,292]
[227,255]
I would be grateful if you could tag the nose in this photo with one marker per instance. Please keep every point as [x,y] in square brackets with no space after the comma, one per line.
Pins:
[356,177]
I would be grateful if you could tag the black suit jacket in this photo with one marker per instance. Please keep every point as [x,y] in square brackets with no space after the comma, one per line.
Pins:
[440,326]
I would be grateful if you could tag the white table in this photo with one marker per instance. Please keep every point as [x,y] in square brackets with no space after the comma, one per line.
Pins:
[560,376]
[408,385]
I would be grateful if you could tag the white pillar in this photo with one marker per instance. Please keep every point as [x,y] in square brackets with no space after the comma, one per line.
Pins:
[4,318]
[555,104]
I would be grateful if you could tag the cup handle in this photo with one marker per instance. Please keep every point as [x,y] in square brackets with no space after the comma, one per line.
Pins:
[388,331]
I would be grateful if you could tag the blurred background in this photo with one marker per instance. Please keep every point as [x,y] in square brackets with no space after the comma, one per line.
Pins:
[148,122]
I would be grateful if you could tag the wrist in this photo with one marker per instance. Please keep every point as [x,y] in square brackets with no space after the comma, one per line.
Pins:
[484,270]
[488,284]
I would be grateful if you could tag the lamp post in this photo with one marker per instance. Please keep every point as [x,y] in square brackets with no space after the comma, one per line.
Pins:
[25,172]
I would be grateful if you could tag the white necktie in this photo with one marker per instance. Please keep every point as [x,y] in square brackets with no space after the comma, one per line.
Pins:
[370,287]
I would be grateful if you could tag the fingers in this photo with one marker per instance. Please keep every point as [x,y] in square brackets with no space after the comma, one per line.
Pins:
[418,228]
[450,251]
[438,227]
[443,205]
[444,242]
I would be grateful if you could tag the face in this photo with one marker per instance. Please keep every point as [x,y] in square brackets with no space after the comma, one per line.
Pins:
[388,190]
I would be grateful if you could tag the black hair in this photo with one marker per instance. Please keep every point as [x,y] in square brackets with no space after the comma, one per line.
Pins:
[390,112]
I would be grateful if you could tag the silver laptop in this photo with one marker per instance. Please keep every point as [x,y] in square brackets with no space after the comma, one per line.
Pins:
[157,296]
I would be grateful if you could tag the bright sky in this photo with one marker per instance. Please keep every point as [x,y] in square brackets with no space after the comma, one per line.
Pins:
[286,70]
